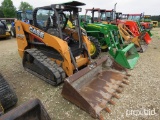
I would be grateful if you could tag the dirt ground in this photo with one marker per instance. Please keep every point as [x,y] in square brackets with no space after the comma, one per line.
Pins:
[143,93]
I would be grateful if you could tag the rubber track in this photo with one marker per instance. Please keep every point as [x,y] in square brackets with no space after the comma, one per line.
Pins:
[8,98]
[46,65]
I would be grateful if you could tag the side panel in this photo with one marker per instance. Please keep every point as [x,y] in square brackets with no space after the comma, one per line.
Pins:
[21,38]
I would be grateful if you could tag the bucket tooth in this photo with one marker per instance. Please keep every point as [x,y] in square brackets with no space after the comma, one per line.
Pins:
[107,110]
[119,90]
[128,74]
[126,77]
[115,95]
[111,102]
[101,117]
[125,82]
[122,86]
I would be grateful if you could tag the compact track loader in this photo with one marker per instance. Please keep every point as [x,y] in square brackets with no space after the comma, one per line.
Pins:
[56,53]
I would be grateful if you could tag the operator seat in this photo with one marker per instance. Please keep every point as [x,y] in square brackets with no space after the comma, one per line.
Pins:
[53,29]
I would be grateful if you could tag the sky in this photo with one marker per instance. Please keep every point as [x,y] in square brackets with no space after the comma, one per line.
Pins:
[149,7]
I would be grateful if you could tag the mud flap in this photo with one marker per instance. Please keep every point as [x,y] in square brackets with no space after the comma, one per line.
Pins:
[31,110]
[94,86]
[128,56]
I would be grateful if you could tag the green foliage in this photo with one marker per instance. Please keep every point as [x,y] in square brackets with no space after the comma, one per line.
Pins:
[25,6]
[8,9]
[156,18]
[1,13]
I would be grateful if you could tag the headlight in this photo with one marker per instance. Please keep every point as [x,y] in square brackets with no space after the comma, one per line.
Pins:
[106,36]
[62,7]
[57,6]
[79,9]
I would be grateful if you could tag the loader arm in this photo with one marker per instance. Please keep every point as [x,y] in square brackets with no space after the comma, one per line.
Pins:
[128,35]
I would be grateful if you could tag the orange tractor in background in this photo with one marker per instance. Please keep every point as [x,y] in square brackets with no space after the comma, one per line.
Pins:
[135,28]
[143,23]
[139,17]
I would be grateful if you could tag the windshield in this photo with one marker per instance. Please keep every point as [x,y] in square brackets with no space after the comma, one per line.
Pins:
[103,16]
[135,18]
[95,17]
[27,16]
[108,14]
[48,18]
[147,18]
[43,16]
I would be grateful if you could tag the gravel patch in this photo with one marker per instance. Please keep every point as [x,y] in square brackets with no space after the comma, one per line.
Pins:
[143,93]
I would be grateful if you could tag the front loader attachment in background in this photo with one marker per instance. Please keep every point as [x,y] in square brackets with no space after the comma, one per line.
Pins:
[145,33]
[94,86]
[124,54]
[127,57]
[139,41]
[144,41]
[31,110]
[146,37]
[128,35]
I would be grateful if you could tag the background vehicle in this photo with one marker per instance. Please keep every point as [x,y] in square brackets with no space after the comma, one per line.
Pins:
[110,39]
[24,16]
[146,19]
[131,30]
[143,23]
[155,23]
[4,31]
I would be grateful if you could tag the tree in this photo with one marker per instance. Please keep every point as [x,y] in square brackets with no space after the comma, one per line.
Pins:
[25,6]
[1,13]
[8,9]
